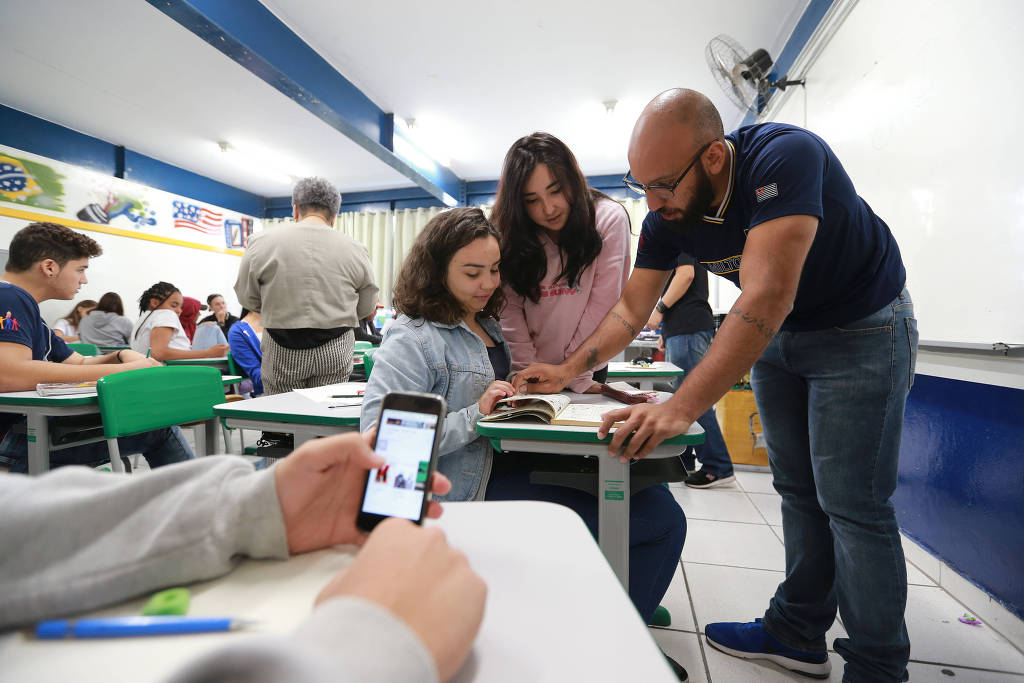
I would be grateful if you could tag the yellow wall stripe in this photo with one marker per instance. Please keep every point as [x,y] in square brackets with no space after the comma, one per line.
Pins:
[96,227]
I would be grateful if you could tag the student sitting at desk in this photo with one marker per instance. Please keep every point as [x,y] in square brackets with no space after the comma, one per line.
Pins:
[244,339]
[106,325]
[67,327]
[160,331]
[407,609]
[48,261]
[564,254]
[447,341]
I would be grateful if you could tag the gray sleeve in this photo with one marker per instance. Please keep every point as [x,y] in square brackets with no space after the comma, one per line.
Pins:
[86,539]
[367,303]
[345,639]
[247,285]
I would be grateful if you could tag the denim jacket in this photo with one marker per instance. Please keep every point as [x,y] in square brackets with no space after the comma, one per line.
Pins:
[450,360]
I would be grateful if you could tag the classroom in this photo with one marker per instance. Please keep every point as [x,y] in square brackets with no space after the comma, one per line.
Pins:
[274,277]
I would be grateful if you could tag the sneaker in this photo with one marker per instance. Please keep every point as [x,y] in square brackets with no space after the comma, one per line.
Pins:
[752,641]
[677,668]
[705,480]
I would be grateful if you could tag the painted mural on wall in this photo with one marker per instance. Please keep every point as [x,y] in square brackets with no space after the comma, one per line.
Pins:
[56,189]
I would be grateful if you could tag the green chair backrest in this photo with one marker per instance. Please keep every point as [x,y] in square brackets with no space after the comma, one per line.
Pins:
[361,345]
[368,361]
[234,368]
[84,349]
[141,400]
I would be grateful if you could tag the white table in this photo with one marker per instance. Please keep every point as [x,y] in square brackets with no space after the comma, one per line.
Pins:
[644,377]
[530,436]
[290,413]
[219,362]
[38,408]
[554,611]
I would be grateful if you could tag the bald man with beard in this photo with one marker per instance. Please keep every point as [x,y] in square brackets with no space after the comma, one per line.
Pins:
[828,326]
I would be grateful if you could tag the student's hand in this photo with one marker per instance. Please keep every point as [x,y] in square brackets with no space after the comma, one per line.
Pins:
[218,350]
[129,356]
[649,424]
[541,378]
[661,343]
[413,573]
[654,320]
[498,390]
[141,363]
[319,487]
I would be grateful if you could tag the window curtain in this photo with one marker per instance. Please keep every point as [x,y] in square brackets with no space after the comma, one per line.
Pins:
[389,235]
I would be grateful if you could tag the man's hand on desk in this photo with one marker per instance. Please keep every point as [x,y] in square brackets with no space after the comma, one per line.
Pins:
[320,486]
[541,378]
[649,423]
[413,573]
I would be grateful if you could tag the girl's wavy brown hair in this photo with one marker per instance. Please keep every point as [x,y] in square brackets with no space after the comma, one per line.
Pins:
[422,289]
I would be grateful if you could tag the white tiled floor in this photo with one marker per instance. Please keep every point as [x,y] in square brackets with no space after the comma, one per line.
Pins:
[732,562]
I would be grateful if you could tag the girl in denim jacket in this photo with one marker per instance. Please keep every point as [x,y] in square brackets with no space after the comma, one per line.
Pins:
[447,340]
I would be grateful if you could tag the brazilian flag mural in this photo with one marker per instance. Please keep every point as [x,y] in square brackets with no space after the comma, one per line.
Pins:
[30,183]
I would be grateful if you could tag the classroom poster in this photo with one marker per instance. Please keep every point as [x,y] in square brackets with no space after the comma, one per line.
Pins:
[37,188]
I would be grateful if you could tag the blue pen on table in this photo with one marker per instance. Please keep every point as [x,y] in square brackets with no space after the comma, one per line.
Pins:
[118,627]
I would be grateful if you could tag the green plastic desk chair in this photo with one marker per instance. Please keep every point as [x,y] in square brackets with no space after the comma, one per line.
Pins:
[368,361]
[84,349]
[151,398]
[362,345]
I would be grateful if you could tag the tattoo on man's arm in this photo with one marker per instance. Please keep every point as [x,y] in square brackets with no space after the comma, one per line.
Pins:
[591,357]
[751,319]
[625,323]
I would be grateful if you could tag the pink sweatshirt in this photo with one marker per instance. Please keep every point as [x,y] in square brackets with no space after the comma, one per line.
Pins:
[551,329]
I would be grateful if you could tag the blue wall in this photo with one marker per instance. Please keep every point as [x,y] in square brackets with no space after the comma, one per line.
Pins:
[961,481]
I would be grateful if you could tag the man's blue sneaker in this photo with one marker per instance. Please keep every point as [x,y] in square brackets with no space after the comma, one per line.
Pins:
[751,641]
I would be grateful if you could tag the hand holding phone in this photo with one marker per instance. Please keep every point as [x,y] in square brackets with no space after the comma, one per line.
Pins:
[409,431]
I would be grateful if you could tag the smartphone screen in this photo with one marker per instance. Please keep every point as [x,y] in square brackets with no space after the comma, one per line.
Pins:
[406,439]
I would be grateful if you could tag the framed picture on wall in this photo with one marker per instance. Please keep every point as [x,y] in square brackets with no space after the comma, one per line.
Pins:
[233,234]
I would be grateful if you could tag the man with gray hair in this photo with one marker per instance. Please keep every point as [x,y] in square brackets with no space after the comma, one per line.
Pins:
[311,285]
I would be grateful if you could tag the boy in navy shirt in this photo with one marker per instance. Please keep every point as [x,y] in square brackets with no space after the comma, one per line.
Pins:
[828,326]
[48,261]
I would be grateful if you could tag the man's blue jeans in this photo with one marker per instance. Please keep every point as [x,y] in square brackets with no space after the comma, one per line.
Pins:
[160,447]
[685,351]
[831,403]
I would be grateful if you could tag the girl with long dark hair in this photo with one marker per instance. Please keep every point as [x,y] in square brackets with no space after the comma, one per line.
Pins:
[564,254]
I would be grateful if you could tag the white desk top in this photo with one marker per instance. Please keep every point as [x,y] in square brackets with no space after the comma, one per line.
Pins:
[291,407]
[657,369]
[555,611]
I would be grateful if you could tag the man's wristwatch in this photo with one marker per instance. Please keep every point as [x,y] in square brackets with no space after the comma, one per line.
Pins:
[661,307]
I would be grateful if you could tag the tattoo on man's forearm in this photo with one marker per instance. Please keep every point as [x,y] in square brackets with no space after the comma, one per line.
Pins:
[759,323]
[591,357]
[625,323]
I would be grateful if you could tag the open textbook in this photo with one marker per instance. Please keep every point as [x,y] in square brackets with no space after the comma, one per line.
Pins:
[556,409]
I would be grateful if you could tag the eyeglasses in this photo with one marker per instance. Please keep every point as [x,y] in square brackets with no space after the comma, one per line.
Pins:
[663,191]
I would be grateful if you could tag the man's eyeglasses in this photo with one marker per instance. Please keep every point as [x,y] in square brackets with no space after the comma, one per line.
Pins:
[663,191]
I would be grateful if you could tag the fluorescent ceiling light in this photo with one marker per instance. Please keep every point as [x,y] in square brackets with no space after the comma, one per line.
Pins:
[262,162]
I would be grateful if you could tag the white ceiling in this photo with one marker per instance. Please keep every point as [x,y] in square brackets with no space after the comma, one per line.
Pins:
[473,77]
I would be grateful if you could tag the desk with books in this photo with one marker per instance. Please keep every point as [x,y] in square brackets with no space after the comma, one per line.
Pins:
[613,485]
[37,409]
[293,413]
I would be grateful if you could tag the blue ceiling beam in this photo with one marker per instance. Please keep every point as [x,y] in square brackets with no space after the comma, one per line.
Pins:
[251,35]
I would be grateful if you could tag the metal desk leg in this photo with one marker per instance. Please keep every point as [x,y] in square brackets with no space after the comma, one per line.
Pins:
[613,514]
[212,428]
[38,432]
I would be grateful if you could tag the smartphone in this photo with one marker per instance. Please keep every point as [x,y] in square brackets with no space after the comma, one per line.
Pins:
[408,435]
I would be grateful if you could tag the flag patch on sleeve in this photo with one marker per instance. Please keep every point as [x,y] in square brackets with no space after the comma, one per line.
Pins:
[766,192]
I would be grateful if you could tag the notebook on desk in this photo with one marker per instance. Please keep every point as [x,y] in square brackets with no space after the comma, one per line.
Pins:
[554,409]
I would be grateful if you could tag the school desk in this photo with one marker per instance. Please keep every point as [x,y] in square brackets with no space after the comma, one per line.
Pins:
[613,477]
[38,408]
[644,377]
[290,413]
[219,362]
[554,609]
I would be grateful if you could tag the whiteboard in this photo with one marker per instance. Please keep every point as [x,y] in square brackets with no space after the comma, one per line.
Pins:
[921,101]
